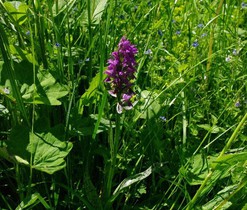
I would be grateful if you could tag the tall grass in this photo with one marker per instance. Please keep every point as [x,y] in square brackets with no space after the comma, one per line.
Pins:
[64,146]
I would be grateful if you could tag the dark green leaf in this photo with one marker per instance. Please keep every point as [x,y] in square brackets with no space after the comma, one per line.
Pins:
[47,151]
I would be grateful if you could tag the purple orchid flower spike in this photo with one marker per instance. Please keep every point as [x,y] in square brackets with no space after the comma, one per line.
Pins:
[120,73]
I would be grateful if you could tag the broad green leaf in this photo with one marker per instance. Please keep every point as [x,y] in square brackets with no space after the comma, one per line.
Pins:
[99,6]
[97,9]
[220,197]
[47,151]
[231,159]
[209,128]
[46,91]
[22,54]
[61,6]
[58,7]
[132,179]
[150,106]
[199,169]
[90,95]
[32,201]
[29,201]
[239,171]
[17,10]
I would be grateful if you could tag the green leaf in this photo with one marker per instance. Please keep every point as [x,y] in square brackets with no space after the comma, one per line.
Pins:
[132,179]
[214,119]
[199,169]
[99,6]
[21,54]
[196,173]
[239,172]
[151,106]
[61,6]
[28,202]
[90,95]
[209,128]
[47,151]
[219,198]
[46,91]
[17,10]
[32,201]
[231,159]
[58,7]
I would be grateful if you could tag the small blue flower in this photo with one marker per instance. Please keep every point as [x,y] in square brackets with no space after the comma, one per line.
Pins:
[6,91]
[28,33]
[204,35]
[243,5]
[228,58]
[178,32]
[148,52]
[195,44]
[237,104]
[234,52]
[163,118]
[57,44]
[200,25]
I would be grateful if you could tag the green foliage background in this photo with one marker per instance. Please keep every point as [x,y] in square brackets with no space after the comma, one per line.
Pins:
[62,143]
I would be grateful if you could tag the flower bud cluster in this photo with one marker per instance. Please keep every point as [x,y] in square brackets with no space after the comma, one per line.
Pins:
[120,73]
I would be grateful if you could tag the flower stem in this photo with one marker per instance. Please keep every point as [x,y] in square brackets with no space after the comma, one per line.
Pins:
[114,145]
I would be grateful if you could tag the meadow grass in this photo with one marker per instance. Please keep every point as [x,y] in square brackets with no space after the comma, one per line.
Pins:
[63,145]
